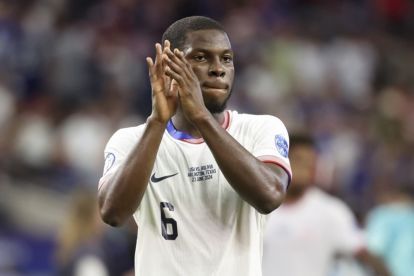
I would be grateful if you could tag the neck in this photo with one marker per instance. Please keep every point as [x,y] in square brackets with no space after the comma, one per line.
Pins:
[181,123]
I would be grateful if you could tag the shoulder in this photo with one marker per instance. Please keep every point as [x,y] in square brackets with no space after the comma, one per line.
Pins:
[129,132]
[255,121]
[125,137]
[252,118]
[392,212]
[329,203]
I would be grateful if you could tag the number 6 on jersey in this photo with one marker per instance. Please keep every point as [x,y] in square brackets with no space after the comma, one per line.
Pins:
[168,221]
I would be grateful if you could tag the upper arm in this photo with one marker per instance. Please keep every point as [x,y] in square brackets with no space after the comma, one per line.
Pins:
[281,174]
[271,146]
[116,152]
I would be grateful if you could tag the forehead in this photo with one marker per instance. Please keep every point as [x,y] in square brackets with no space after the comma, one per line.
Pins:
[207,40]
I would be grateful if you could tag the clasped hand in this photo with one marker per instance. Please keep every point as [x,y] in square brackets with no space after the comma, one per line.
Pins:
[174,82]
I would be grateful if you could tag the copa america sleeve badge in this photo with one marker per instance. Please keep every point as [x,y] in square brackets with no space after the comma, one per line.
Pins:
[282,145]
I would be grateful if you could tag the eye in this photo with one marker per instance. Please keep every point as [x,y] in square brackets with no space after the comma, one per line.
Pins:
[199,58]
[228,59]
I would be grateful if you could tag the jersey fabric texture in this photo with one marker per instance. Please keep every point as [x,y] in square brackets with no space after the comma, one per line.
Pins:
[303,238]
[190,220]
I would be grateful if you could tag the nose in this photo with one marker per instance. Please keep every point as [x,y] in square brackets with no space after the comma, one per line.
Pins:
[216,69]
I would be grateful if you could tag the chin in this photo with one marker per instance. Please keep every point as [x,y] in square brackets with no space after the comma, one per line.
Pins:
[217,107]
[214,109]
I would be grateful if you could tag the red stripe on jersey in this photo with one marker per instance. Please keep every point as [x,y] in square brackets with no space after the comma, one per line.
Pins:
[275,160]
[225,125]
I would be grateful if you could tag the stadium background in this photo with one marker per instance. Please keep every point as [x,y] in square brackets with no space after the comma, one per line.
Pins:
[72,72]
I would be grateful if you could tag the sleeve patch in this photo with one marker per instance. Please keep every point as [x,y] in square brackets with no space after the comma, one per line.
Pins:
[282,145]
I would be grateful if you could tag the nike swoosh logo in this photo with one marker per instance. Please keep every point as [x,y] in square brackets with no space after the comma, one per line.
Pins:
[158,179]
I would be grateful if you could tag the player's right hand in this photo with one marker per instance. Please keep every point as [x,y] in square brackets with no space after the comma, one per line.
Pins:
[164,90]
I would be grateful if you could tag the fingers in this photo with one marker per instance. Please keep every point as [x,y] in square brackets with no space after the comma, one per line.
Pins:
[158,54]
[175,57]
[154,77]
[167,80]
[150,65]
[159,81]
[172,90]
[172,65]
[180,55]
[169,70]
[161,51]
[175,76]
[154,67]
[167,44]
[177,63]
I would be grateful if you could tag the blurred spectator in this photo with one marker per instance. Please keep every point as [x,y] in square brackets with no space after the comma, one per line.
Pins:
[7,106]
[34,139]
[311,228]
[390,228]
[80,251]
[81,138]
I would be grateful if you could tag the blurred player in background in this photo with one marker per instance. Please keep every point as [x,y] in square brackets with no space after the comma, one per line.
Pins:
[196,177]
[390,228]
[311,228]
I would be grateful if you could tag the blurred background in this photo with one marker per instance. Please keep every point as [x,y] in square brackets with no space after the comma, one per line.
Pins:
[72,72]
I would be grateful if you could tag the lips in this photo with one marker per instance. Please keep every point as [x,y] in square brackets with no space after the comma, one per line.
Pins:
[215,85]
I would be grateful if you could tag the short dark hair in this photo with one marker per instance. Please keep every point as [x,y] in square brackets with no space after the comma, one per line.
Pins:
[301,139]
[176,32]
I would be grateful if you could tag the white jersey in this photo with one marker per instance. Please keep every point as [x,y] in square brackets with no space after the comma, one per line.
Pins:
[303,238]
[191,221]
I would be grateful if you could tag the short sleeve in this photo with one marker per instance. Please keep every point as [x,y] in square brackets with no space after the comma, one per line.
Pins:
[272,142]
[116,151]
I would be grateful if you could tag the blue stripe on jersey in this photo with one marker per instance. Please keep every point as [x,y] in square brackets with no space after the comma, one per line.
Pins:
[176,133]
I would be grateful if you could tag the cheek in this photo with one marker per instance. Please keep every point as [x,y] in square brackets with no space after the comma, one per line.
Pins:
[230,75]
[200,72]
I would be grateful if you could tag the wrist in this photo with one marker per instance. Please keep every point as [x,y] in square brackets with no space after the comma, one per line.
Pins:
[202,118]
[153,121]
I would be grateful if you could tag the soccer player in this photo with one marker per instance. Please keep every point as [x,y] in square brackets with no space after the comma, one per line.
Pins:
[196,177]
[312,228]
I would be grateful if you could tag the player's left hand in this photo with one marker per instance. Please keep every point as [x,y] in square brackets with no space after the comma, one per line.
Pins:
[189,91]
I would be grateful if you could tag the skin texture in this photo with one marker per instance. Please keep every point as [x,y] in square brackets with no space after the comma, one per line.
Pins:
[191,87]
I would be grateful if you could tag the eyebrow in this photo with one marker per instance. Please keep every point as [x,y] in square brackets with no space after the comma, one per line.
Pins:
[207,50]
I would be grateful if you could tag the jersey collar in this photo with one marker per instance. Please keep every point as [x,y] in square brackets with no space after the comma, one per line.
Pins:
[186,137]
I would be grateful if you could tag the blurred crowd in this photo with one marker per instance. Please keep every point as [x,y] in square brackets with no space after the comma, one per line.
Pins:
[72,72]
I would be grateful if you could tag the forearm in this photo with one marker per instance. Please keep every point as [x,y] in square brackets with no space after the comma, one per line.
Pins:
[260,184]
[121,195]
